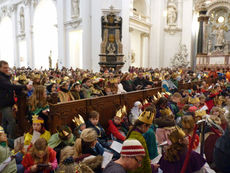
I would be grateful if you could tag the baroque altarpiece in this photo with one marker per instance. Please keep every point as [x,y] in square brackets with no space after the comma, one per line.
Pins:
[111,55]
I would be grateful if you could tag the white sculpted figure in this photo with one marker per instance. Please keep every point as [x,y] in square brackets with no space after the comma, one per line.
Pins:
[220,37]
[75,8]
[22,20]
[171,16]
[171,13]
[209,47]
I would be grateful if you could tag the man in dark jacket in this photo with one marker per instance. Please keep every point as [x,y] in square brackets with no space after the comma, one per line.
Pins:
[141,83]
[7,98]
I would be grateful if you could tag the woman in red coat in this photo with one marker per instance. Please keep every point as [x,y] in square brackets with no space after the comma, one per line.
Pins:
[40,158]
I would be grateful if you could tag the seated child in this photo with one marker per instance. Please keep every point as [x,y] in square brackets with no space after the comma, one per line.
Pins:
[7,161]
[114,130]
[173,158]
[188,123]
[40,158]
[37,126]
[173,104]
[61,139]
[80,125]
[93,122]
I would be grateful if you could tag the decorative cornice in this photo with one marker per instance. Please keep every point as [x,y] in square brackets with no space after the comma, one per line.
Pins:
[111,10]
[73,23]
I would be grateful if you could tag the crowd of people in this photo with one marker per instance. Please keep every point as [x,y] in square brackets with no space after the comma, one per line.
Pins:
[163,133]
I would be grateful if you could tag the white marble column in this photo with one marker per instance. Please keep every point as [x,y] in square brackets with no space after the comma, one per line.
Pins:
[187,26]
[125,33]
[15,39]
[145,50]
[85,13]
[157,33]
[62,56]
[29,33]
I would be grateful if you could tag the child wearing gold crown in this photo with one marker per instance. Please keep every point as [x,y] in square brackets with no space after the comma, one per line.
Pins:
[188,123]
[37,127]
[114,129]
[61,139]
[38,104]
[7,162]
[173,159]
[80,125]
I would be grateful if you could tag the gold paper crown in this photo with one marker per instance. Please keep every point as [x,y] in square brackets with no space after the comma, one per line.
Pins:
[176,135]
[65,133]
[159,95]
[66,78]
[200,113]
[193,100]
[145,102]
[78,121]
[36,120]
[58,80]
[53,81]
[37,76]
[121,112]
[124,110]
[1,130]
[168,93]
[155,98]
[166,111]
[62,133]
[22,77]
[146,117]
[114,80]
[97,80]
[156,75]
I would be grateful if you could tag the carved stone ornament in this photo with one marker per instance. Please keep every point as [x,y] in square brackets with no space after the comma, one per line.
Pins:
[172,29]
[180,58]
[21,36]
[200,5]
[171,20]
[7,10]
[73,23]
[75,11]
[171,13]
[27,2]
[22,21]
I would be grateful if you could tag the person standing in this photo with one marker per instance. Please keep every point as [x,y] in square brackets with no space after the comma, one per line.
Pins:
[7,102]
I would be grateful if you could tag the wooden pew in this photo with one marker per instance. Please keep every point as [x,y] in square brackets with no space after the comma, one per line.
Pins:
[63,113]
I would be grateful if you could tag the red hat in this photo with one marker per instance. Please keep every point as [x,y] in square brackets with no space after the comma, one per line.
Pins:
[132,147]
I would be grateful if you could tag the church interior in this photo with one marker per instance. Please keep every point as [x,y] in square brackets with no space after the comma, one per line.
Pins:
[110,86]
